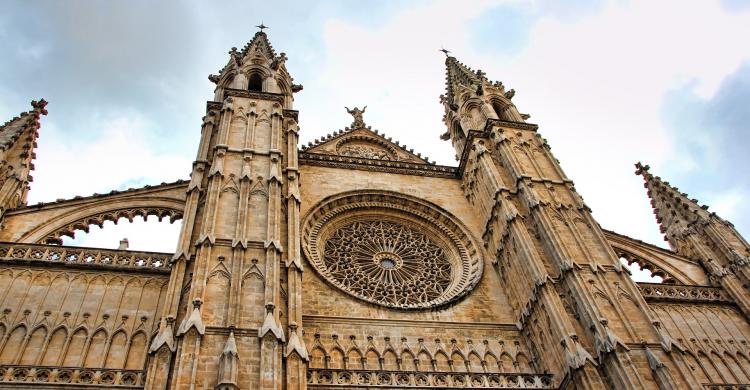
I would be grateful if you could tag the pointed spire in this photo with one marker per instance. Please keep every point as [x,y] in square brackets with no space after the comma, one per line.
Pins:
[673,209]
[458,75]
[260,43]
[691,230]
[17,145]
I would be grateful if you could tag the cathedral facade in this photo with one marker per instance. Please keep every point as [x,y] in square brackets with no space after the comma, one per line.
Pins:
[354,262]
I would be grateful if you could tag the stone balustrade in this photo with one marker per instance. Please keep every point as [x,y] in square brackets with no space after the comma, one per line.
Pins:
[333,378]
[43,377]
[683,293]
[66,255]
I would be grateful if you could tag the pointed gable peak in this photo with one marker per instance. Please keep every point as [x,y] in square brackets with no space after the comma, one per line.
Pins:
[671,207]
[259,44]
[362,141]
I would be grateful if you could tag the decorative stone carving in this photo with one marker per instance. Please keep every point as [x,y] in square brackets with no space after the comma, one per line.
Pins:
[387,262]
[357,114]
[364,152]
[391,250]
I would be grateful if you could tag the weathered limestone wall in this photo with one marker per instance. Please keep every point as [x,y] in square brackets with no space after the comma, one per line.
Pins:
[79,313]
[485,304]
[715,337]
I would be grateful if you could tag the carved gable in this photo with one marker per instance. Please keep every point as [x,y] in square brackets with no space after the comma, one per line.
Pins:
[365,143]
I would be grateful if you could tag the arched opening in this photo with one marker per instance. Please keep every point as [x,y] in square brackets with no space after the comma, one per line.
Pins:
[255,82]
[499,110]
[148,234]
[643,273]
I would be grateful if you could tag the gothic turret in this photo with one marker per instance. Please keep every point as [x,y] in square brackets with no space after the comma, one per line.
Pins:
[17,143]
[240,234]
[255,68]
[471,100]
[694,232]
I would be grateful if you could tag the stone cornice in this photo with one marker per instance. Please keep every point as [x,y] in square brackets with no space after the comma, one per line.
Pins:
[319,319]
[253,94]
[399,167]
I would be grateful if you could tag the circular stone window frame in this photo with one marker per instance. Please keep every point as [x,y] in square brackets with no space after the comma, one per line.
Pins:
[338,210]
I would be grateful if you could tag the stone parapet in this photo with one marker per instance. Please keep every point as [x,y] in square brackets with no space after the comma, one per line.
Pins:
[682,293]
[38,254]
[70,377]
[337,378]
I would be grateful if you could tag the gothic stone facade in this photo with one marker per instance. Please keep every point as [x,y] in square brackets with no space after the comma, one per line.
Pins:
[354,262]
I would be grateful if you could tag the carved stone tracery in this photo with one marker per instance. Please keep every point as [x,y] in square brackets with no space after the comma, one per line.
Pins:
[387,262]
[391,250]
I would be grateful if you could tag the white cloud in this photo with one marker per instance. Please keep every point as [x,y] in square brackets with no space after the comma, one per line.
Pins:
[119,157]
[594,85]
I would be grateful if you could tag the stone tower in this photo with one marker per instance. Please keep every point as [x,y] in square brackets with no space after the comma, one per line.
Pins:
[355,262]
[240,238]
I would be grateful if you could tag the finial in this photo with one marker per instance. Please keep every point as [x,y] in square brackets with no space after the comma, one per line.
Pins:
[357,114]
[262,26]
[640,168]
[445,51]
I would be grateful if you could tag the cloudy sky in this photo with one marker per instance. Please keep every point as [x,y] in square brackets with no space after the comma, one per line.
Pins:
[610,83]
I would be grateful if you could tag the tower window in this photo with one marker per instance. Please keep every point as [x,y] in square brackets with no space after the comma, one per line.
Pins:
[255,83]
[499,110]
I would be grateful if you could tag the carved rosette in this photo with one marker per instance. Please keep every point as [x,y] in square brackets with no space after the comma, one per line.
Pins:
[391,250]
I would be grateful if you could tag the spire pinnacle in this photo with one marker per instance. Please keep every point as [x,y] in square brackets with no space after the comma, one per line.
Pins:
[261,26]
[673,209]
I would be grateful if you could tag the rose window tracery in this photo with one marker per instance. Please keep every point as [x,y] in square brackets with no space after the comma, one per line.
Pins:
[387,262]
[391,250]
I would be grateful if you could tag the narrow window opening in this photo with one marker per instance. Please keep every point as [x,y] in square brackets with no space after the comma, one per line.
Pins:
[499,110]
[255,83]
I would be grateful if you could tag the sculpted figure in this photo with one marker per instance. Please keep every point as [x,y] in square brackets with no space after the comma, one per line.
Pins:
[357,114]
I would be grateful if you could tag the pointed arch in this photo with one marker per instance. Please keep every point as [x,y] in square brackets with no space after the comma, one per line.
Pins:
[441,361]
[12,343]
[33,350]
[458,361]
[55,346]
[390,360]
[372,359]
[425,360]
[408,361]
[522,362]
[354,359]
[336,358]
[475,362]
[95,353]
[74,353]
[506,363]
[136,358]
[118,348]
[491,362]
[318,357]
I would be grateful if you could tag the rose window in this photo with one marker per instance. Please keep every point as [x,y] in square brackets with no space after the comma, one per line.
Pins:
[387,262]
[391,251]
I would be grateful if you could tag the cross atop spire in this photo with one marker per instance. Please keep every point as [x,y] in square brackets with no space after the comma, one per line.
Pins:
[262,26]
[445,51]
